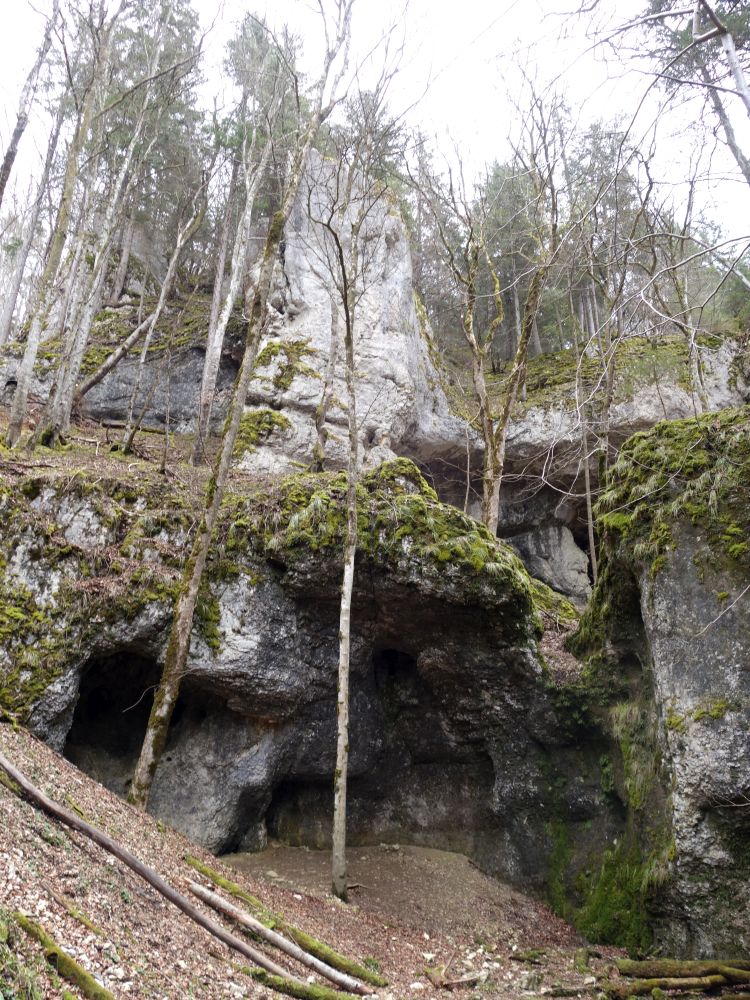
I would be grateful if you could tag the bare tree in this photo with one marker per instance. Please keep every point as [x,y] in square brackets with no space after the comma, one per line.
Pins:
[337,27]
[28,92]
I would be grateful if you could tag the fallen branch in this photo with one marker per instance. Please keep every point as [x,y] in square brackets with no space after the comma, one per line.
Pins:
[62,962]
[674,969]
[294,988]
[113,847]
[310,944]
[642,987]
[275,939]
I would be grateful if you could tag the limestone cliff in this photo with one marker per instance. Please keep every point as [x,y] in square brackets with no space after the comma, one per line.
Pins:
[671,616]
[454,734]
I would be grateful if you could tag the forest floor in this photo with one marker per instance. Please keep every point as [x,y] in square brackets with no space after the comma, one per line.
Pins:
[414,908]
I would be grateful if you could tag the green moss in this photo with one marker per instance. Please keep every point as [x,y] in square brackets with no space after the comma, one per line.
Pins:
[692,471]
[711,708]
[64,964]
[207,619]
[288,358]
[295,988]
[310,944]
[674,721]
[401,525]
[19,977]
[256,426]
[636,734]
[615,908]
[560,856]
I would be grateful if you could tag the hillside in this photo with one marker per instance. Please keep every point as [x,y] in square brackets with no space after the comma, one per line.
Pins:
[138,945]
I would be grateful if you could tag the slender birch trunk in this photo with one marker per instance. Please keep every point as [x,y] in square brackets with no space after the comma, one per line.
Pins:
[11,297]
[254,173]
[340,781]
[338,859]
[126,245]
[28,92]
[178,646]
[213,343]
[46,282]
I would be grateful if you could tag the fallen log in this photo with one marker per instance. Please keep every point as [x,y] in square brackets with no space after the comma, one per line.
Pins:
[294,988]
[63,963]
[676,969]
[113,847]
[642,987]
[274,921]
[277,940]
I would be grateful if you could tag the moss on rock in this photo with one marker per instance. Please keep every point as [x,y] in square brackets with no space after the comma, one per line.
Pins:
[256,426]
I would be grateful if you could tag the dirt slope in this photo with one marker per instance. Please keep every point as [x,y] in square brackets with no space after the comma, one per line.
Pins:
[139,945]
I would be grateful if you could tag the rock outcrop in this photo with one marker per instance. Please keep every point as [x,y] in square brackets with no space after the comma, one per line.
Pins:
[671,615]
[455,739]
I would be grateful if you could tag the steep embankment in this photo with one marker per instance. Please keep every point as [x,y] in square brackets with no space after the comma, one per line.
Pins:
[136,944]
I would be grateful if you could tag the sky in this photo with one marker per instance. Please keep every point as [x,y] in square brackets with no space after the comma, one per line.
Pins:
[460,74]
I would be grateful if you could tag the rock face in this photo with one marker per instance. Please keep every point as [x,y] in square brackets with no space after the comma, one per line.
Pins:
[672,598]
[401,406]
[701,670]
[455,740]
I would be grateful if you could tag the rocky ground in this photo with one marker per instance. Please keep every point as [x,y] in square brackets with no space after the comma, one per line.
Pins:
[413,909]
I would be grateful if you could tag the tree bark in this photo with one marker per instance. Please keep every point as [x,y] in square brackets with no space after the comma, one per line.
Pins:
[179,640]
[27,96]
[214,343]
[254,173]
[338,853]
[11,297]
[46,290]
[277,940]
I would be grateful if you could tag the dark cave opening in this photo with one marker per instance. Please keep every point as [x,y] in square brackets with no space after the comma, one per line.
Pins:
[114,702]
[393,667]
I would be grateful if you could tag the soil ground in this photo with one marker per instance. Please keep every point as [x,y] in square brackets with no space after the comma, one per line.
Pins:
[432,891]
[414,909]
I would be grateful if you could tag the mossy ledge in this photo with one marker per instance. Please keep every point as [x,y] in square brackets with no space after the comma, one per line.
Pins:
[69,593]
[402,527]
[693,471]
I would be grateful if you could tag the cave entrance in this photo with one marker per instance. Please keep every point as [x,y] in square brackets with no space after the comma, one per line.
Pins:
[393,667]
[301,813]
[110,718]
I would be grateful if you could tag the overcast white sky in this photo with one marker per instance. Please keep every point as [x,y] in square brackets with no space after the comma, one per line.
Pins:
[462,58]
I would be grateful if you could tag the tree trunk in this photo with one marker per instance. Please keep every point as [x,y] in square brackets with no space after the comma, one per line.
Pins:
[215,342]
[126,245]
[341,979]
[27,96]
[338,855]
[46,288]
[11,297]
